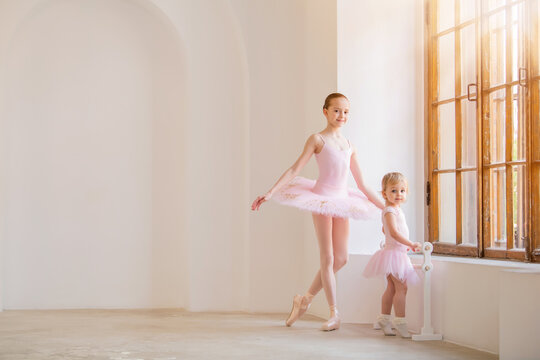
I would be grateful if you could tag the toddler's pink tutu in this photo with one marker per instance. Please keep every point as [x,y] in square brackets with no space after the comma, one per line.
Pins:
[394,261]
[353,204]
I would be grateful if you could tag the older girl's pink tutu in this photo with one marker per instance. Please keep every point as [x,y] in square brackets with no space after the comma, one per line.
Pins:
[329,195]
[300,193]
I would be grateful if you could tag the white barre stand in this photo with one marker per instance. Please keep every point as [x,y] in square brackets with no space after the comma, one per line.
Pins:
[427,330]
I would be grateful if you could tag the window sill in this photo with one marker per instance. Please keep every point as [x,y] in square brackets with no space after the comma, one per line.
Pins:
[485,262]
[508,264]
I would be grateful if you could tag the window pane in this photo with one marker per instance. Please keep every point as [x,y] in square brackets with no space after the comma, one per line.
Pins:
[468,133]
[497,48]
[447,136]
[493,4]
[497,213]
[519,107]
[447,208]
[518,38]
[497,125]
[519,176]
[467,10]
[445,14]
[468,57]
[469,198]
[446,46]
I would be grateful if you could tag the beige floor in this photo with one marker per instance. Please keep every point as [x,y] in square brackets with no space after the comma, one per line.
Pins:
[175,334]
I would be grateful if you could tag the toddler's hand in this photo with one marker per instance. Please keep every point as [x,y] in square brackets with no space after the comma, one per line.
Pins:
[416,246]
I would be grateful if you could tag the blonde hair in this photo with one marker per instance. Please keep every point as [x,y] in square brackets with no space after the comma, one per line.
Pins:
[332,96]
[392,179]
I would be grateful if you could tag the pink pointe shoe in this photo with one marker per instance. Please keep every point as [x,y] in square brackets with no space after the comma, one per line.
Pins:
[332,324]
[300,306]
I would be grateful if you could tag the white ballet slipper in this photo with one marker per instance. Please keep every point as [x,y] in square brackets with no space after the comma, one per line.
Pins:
[385,325]
[400,324]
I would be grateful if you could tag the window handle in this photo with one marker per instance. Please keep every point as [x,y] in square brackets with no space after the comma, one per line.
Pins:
[469,94]
[523,76]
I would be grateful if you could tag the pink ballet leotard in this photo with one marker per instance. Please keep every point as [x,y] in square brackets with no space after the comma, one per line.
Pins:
[393,258]
[329,195]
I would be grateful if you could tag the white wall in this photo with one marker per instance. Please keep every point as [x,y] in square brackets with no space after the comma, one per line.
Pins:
[92,98]
[518,335]
[124,127]
[380,70]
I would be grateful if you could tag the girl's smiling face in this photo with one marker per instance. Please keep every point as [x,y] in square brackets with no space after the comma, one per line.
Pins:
[396,194]
[337,112]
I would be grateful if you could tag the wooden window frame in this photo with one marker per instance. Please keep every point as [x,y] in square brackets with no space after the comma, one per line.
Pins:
[530,129]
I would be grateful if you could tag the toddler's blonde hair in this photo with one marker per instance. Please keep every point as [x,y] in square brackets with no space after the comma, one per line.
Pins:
[392,179]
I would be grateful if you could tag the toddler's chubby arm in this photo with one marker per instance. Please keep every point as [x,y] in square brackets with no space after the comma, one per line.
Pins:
[313,143]
[394,233]
[357,174]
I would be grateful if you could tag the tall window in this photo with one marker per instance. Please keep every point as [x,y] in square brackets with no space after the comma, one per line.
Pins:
[483,128]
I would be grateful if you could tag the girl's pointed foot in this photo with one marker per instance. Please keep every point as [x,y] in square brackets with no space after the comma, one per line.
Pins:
[299,307]
[332,324]
[385,325]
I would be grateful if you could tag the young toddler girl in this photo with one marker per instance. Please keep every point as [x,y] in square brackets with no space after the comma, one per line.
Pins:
[392,260]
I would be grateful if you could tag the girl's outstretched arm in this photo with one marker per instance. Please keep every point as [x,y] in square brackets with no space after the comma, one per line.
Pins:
[394,233]
[357,174]
[309,149]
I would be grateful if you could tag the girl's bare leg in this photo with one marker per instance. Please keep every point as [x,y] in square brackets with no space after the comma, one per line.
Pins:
[400,296]
[388,297]
[340,237]
[332,236]
[400,323]
[323,229]
[325,276]
[384,320]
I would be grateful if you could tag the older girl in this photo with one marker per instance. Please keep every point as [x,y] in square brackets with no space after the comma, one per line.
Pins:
[329,200]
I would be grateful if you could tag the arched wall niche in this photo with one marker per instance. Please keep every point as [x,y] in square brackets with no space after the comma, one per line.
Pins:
[218,254]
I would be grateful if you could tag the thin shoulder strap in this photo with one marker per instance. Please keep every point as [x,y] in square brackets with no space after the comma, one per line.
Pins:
[350,146]
[322,138]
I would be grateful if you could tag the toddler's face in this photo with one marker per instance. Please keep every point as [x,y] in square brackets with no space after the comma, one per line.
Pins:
[396,194]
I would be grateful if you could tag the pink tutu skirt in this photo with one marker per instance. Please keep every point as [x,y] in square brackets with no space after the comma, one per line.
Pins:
[354,204]
[393,261]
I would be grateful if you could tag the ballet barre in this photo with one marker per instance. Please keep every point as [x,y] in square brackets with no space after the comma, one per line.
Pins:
[427,266]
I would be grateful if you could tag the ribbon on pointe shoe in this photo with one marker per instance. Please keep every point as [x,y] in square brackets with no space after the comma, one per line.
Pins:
[332,324]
